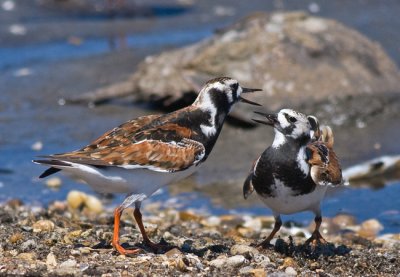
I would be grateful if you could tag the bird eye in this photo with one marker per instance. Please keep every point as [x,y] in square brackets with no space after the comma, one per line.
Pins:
[235,86]
[292,119]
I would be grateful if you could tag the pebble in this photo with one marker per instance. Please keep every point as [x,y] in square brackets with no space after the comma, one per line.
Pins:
[29,244]
[289,262]
[290,271]
[236,261]
[53,182]
[27,256]
[211,221]
[43,225]
[344,220]
[16,237]
[94,204]
[252,223]
[76,199]
[245,250]
[370,228]
[188,216]
[51,260]
[218,262]
[68,264]
[173,252]
[261,260]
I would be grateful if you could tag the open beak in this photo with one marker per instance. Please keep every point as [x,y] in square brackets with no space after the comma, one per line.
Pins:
[249,90]
[270,119]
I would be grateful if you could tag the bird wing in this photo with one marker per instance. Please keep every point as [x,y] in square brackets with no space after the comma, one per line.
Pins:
[145,142]
[325,167]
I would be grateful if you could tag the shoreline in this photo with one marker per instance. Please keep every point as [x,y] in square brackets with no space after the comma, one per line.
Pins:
[61,241]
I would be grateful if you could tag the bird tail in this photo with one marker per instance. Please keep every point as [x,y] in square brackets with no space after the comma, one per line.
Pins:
[52,169]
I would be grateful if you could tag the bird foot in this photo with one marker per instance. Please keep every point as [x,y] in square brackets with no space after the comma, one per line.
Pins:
[316,239]
[121,250]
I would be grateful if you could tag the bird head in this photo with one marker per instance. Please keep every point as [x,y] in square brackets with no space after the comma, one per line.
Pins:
[288,125]
[221,94]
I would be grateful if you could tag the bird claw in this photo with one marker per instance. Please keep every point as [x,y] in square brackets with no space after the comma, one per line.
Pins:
[315,240]
[121,250]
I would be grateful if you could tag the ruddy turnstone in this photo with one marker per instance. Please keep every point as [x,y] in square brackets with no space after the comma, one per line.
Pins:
[292,174]
[147,153]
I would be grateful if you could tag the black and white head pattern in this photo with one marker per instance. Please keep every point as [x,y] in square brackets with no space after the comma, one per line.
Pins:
[217,98]
[291,125]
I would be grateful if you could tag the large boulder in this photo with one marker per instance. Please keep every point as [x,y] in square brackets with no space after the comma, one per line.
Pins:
[294,57]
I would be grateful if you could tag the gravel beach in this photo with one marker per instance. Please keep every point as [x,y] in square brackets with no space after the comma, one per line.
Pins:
[61,241]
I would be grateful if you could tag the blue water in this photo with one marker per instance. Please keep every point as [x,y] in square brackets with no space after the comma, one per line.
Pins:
[62,50]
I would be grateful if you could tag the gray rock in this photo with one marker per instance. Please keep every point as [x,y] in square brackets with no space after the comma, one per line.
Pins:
[294,57]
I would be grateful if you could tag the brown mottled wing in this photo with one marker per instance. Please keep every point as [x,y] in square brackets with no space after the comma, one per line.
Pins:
[146,142]
[123,134]
[150,154]
[325,167]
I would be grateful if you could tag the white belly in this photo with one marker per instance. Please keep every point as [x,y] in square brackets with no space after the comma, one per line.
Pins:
[285,203]
[120,180]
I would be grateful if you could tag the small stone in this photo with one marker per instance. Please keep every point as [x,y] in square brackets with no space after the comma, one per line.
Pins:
[76,199]
[314,265]
[245,250]
[261,260]
[246,232]
[168,236]
[37,146]
[211,221]
[94,204]
[14,203]
[253,223]
[54,182]
[43,225]
[344,220]
[370,228]
[27,256]
[182,265]
[236,261]
[289,262]
[189,216]
[173,252]
[28,245]
[85,250]
[218,263]
[231,220]
[290,271]
[16,237]
[258,272]
[51,260]
[68,264]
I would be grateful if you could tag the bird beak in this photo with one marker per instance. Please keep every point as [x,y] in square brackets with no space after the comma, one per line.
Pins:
[271,119]
[249,90]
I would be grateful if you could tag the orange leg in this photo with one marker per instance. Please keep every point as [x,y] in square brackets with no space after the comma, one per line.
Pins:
[155,246]
[115,241]
[267,242]
[316,237]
